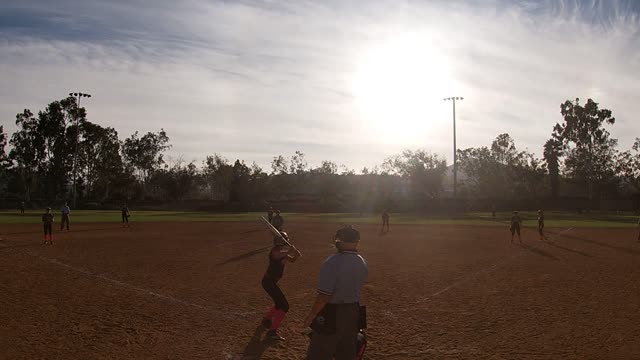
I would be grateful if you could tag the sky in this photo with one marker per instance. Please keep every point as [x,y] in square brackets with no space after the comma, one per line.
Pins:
[349,81]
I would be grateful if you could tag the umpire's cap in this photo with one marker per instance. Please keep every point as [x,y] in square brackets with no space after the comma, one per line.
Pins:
[347,234]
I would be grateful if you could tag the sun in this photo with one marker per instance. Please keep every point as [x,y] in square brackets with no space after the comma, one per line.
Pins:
[399,85]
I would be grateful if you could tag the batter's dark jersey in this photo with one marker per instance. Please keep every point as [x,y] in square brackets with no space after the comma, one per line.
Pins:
[276,263]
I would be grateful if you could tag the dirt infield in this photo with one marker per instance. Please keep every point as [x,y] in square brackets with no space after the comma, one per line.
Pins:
[192,291]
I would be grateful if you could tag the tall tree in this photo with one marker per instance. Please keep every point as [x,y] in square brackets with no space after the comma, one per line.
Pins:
[4,161]
[99,158]
[279,165]
[57,126]
[628,168]
[425,171]
[3,143]
[503,150]
[327,167]
[27,151]
[239,181]
[587,146]
[298,164]
[552,152]
[145,154]
[501,171]
[218,175]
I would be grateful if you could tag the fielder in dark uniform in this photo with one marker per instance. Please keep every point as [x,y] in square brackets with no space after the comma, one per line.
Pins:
[638,229]
[278,221]
[335,315]
[47,222]
[280,254]
[516,222]
[22,208]
[385,220]
[125,215]
[541,225]
[270,214]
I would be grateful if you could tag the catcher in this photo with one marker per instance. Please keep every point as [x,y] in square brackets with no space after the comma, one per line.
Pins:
[281,253]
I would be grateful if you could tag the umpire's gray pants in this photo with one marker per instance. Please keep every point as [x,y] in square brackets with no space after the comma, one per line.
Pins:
[342,344]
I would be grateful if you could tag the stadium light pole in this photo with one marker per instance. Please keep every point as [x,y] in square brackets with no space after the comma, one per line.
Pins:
[75,152]
[455,149]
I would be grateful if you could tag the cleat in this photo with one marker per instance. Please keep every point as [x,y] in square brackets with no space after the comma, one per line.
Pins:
[273,335]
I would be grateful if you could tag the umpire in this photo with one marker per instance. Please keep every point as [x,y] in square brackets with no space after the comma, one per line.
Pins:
[334,316]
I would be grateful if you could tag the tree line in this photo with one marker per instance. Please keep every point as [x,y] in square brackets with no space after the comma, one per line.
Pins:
[37,162]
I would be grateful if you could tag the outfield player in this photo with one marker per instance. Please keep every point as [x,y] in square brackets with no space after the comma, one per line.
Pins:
[47,222]
[278,221]
[280,254]
[22,208]
[493,213]
[638,229]
[385,220]
[64,212]
[516,222]
[541,225]
[125,215]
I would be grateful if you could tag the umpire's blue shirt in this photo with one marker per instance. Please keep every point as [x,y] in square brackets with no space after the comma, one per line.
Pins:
[342,276]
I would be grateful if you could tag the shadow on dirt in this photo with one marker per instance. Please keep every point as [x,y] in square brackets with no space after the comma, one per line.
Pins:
[244,256]
[603,244]
[569,249]
[538,251]
[56,231]
[256,346]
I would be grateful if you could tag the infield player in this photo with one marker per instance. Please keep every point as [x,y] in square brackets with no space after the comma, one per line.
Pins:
[64,212]
[278,221]
[125,215]
[270,214]
[47,222]
[280,254]
[385,220]
[516,223]
[541,225]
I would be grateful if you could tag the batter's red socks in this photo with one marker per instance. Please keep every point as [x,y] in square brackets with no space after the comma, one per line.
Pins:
[277,319]
[270,313]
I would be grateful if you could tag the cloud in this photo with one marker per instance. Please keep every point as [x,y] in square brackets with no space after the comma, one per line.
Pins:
[256,79]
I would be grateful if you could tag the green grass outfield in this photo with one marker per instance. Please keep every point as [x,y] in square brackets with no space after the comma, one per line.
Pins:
[553,219]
